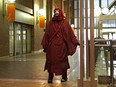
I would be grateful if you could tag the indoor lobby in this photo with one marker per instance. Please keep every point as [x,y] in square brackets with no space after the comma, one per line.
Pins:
[22,28]
[28,71]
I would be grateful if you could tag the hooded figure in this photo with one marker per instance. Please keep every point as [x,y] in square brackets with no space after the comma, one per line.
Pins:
[58,43]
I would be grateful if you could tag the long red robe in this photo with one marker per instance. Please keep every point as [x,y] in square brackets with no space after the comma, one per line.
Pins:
[57,48]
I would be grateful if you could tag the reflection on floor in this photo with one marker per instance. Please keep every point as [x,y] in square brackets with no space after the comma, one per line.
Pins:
[27,71]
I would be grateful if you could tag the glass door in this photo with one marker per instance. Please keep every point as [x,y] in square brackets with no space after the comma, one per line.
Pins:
[11,39]
[29,39]
[24,39]
[18,40]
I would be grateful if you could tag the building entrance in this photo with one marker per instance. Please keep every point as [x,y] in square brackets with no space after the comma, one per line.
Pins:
[20,39]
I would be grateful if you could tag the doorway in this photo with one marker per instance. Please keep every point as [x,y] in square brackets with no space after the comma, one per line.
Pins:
[20,39]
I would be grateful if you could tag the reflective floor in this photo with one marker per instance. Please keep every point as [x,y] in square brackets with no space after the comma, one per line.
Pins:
[27,71]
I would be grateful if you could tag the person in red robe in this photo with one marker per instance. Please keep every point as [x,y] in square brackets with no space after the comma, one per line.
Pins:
[58,43]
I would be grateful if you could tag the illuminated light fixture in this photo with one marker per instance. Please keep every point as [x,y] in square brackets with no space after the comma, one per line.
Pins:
[41,12]
[105,11]
[10,11]
[41,18]
[97,11]
[11,1]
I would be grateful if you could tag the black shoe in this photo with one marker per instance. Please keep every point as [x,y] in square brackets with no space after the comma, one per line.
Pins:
[63,80]
[50,78]
[49,81]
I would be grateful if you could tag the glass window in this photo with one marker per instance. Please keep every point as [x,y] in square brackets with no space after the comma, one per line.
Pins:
[75,22]
[110,1]
[79,12]
[105,23]
[97,11]
[95,22]
[95,31]
[75,13]
[75,4]
[114,36]
[88,12]
[89,22]
[11,39]
[88,3]
[18,47]
[96,3]
[78,3]
[104,3]
[111,23]
[84,22]
[110,36]
[115,23]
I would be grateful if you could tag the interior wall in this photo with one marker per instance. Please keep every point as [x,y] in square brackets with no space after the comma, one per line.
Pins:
[4,36]
[38,33]
[27,3]
[4,33]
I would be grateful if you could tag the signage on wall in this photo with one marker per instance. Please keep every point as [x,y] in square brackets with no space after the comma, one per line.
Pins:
[11,12]
[41,21]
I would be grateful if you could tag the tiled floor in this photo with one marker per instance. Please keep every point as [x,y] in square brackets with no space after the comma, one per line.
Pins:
[27,71]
